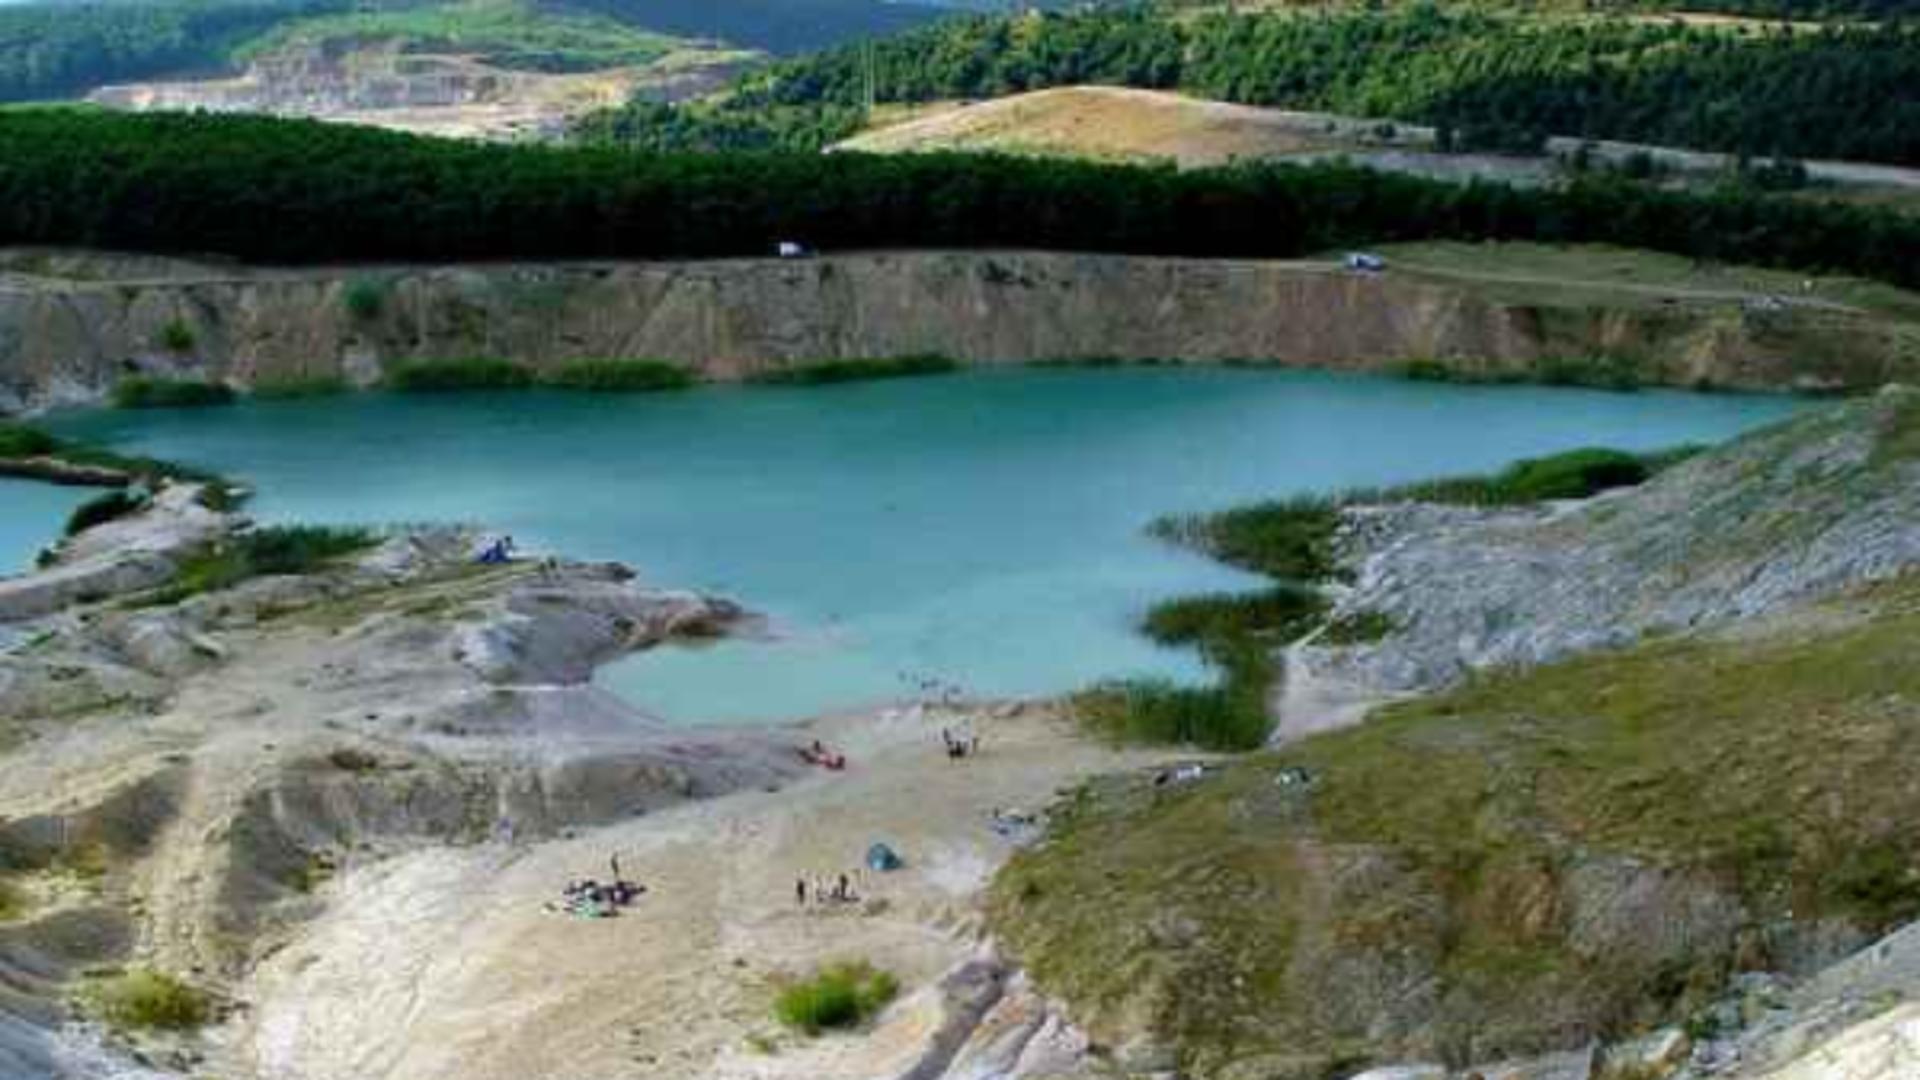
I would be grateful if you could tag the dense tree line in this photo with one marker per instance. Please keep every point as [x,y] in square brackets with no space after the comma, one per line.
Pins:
[1490,80]
[300,191]
[777,26]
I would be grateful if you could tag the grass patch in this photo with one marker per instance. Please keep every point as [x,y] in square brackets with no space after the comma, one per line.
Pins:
[621,376]
[365,298]
[145,392]
[276,549]
[1228,717]
[98,511]
[21,441]
[300,386]
[836,997]
[13,902]
[148,1000]
[1357,628]
[475,373]
[177,336]
[842,371]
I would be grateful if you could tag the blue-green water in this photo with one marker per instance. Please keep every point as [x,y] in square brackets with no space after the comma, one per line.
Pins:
[31,515]
[983,528]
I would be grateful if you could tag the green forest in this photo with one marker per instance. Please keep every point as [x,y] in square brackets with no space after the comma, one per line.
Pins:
[52,49]
[1487,79]
[302,191]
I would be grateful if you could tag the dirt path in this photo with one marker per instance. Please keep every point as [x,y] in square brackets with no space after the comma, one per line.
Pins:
[446,965]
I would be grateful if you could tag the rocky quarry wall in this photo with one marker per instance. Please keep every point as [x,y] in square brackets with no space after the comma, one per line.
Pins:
[71,324]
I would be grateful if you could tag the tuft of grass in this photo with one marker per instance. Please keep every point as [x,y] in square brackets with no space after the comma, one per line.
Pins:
[1358,628]
[13,903]
[300,386]
[841,371]
[476,373]
[177,336]
[365,298]
[148,1000]
[98,511]
[21,441]
[144,392]
[277,549]
[1231,717]
[352,759]
[621,376]
[839,996]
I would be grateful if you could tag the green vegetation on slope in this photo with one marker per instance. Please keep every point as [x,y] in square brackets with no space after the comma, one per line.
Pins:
[1487,79]
[1522,864]
[147,1000]
[506,33]
[292,191]
[621,376]
[1292,542]
[828,372]
[144,392]
[276,549]
[20,442]
[477,373]
[52,50]
[98,511]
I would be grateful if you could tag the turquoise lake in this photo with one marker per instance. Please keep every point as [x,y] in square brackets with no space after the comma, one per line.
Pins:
[982,528]
[31,516]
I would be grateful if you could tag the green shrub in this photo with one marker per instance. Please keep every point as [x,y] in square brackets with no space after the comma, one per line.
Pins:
[1286,539]
[300,386]
[276,549]
[177,336]
[20,441]
[621,376]
[478,373]
[99,511]
[1599,372]
[1357,628]
[143,392]
[1576,474]
[839,996]
[840,371]
[365,298]
[147,1000]
[1227,717]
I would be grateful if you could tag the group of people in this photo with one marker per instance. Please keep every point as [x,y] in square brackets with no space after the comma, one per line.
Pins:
[591,899]
[961,744]
[821,890]
[496,552]
[818,754]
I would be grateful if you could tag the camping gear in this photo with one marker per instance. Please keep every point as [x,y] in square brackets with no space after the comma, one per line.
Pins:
[882,858]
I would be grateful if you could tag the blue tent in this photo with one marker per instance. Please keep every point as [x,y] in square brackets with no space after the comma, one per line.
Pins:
[883,858]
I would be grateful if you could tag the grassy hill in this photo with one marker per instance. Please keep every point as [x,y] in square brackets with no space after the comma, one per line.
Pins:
[506,33]
[1529,862]
[1486,78]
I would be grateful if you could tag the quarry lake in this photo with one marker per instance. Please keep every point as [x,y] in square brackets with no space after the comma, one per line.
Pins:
[982,528]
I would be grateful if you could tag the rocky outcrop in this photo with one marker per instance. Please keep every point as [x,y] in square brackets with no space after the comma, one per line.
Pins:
[388,83]
[71,326]
[1803,510]
[119,557]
